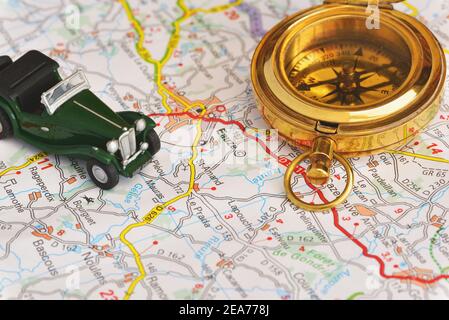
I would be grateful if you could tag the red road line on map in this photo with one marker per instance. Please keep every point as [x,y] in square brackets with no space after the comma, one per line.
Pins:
[211,119]
[318,191]
[198,117]
[365,249]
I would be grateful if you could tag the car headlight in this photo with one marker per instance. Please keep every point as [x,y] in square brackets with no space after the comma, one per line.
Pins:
[112,146]
[141,124]
[144,146]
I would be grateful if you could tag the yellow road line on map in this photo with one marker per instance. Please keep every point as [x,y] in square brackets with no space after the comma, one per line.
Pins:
[218,8]
[146,55]
[158,65]
[420,156]
[172,44]
[415,10]
[156,211]
[30,161]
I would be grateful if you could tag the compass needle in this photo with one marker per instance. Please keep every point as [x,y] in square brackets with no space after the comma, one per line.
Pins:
[366,77]
[376,86]
[357,95]
[330,93]
[357,68]
[336,72]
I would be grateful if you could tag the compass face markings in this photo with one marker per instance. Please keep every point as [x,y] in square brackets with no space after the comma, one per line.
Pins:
[359,52]
[348,73]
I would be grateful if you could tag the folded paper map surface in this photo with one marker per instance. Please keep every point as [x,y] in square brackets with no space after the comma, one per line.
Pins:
[208,217]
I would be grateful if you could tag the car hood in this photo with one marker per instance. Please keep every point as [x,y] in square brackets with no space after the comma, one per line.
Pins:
[86,114]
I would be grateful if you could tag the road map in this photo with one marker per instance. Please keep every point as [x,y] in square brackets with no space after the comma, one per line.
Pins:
[208,217]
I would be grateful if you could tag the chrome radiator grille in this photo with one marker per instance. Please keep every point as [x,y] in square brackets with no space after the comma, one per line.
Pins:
[127,143]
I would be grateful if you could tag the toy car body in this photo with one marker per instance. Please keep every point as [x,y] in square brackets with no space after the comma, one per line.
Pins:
[62,116]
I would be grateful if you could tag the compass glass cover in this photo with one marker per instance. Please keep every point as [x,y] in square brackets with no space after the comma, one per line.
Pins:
[339,62]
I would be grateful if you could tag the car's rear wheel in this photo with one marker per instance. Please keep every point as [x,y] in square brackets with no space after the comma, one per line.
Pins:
[5,126]
[154,142]
[104,176]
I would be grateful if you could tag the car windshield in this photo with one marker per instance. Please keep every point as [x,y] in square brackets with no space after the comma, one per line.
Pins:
[63,91]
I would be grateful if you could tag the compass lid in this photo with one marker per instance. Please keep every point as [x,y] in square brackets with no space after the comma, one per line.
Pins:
[381,3]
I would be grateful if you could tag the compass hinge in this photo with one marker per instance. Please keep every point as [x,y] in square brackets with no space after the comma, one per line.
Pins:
[385,4]
[326,127]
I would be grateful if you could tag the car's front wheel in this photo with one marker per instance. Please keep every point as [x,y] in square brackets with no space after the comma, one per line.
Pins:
[104,176]
[154,142]
[5,126]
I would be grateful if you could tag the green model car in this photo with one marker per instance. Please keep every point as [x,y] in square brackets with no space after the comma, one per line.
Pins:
[62,116]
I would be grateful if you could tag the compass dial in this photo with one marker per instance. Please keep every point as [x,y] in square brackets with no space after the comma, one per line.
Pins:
[348,73]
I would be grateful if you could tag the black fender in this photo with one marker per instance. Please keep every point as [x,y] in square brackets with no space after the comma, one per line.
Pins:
[5,61]
[4,105]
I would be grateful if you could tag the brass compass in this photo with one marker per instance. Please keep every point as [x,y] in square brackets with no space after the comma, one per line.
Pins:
[336,85]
